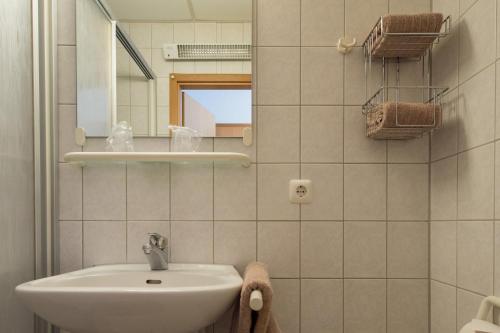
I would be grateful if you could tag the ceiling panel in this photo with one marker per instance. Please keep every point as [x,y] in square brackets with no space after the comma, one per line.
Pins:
[150,10]
[222,10]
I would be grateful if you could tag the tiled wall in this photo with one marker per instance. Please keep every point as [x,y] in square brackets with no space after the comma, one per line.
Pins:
[355,260]
[465,160]
[132,92]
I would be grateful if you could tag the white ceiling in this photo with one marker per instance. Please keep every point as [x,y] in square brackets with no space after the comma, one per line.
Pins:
[180,10]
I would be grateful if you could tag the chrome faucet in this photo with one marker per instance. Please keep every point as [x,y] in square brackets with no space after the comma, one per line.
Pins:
[156,250]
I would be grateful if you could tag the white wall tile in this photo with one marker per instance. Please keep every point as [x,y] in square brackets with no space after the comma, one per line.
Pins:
[235,192]
[205,32]
[321,305]
[408,151]
[234,243]
[141,34]
[403,295]
[327,187]
[104,242]
[279,244]
[66,22]
[66,74]
[148,191]
[444,142]
[322,21]
[444,189]
[365,305]
[365,249]
[408,192]
[286,304]
[476,183]
[192,242]
[443,247]
[278,134]
[364,192]
[278,23]
[70,246]
[321,249]
[161,33]
[475,256]
[408,249]
[184,33]
[322,133]
[272,192]
[104,192]
[70,192]
[321,76]
[192,191]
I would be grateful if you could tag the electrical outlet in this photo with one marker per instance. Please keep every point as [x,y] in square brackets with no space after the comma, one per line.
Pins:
[300,191]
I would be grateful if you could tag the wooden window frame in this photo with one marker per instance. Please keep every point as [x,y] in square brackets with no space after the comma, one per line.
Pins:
[201,81]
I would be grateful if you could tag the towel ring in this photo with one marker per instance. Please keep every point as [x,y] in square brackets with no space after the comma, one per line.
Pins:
[256,302]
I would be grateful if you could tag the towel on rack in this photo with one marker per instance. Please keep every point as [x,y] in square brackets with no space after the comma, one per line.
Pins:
[407,45]
[413,119]
[247,321]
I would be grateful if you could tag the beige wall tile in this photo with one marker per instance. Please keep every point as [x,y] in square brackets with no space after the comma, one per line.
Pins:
[286,304]
[104,192]
[476,183]
[327,203]
[322,22]
[496,277]
[477,31]
[70,192]
[278,134]
[66,74]
[475,256]
[278,23]
[141,34]
[137,236]
[278,76]
[408,151]
[321,249]
[321,76]
[161,33]
[408,249]
[445,53]
[148,191]
[321,137]
[409,6]
[497,179]
[444,189]
[443,308]
[321,306]
[403,295]
[70,246]
[444,141]
[235,192]
[444,251]
[365,249]
[192,241]
[467,306]
[66,22]
[476,110]
[278,247]
[235,144]
[192,191]
[235,243]
[357,147]
[361,16]
[364,192]
[497,92]
[408,192]
[104,242]
[272,192]
[160,66]
[364,306]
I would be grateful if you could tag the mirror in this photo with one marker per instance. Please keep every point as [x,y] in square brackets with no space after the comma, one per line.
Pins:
[157,64]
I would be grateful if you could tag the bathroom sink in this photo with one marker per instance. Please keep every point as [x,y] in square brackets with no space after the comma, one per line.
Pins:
[134,299]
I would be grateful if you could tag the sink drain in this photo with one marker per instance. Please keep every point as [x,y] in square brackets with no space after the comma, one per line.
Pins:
[153,281]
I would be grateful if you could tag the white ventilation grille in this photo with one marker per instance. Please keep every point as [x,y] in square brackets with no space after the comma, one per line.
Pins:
[207,51]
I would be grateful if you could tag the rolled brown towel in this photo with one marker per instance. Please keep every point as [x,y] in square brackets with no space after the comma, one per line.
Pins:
[418,117]
[246,320]
[407,46]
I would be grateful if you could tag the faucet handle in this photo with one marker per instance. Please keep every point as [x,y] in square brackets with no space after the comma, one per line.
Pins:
[158,240]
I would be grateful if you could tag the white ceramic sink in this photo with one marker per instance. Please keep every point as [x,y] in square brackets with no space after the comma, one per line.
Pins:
[134,299]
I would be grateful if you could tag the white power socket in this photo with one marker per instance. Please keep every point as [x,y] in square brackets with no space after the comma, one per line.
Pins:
[300,191]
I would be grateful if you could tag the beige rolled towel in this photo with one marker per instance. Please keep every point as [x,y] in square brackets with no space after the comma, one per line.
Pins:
[381,122]
[407,46]
[246,320]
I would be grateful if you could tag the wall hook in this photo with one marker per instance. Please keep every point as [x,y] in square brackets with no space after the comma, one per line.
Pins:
[345,46]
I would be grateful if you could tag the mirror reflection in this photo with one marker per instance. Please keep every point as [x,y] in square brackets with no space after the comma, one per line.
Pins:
[176,63]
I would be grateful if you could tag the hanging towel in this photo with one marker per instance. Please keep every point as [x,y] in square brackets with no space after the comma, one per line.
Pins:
[413,119]
[246,320]
[407,45]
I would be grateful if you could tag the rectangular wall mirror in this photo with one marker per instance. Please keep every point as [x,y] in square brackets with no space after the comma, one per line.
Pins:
[157,64]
